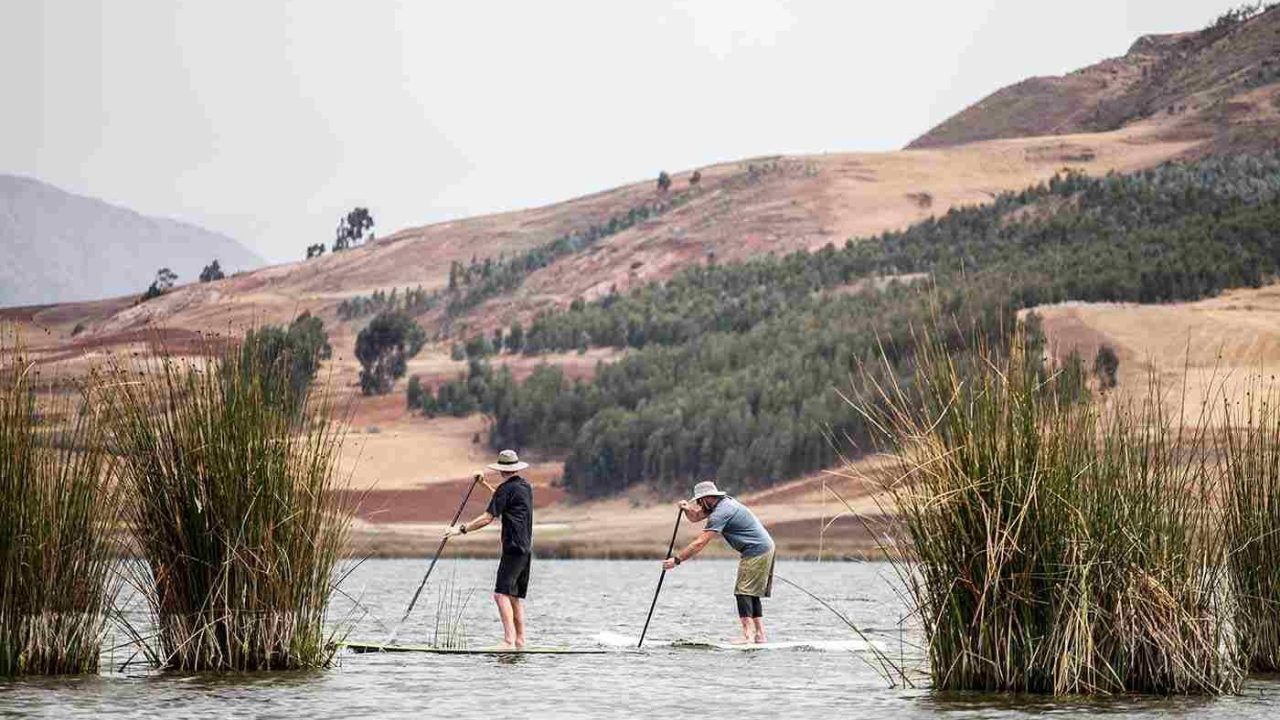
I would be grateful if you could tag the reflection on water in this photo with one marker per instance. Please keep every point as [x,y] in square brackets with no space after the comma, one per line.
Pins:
[570,603]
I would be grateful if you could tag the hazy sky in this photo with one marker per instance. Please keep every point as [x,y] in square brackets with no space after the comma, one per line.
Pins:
[266,120]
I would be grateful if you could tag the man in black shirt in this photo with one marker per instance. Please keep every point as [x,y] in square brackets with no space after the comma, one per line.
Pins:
[513,503]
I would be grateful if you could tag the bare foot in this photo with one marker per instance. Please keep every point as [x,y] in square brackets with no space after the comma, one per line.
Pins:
[505,645]
[761,639]
[519,643]
[743,640]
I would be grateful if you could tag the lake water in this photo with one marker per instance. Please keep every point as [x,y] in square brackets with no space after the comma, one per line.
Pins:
[571,603]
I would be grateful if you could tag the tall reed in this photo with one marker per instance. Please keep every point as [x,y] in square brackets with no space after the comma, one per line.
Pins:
[450,628]
[57,513]
[1250,449]
[1053,547]
[232,508]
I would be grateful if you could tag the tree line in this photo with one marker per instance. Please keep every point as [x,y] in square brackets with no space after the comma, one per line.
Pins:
[413,301]
[1134,237]
[735,365]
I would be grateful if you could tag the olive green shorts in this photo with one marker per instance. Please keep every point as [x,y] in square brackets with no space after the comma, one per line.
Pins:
[755,575]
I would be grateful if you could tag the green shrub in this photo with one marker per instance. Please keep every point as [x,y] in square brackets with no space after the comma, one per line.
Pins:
[384,348]
[211,272]
[290,357]
[164,282]
[1105,365]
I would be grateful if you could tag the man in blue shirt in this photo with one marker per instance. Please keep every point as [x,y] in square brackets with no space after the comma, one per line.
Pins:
[730,519]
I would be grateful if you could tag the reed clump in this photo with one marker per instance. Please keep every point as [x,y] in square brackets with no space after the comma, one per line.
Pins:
[1053,547]
[57,515]
[232,508]
[1250,451]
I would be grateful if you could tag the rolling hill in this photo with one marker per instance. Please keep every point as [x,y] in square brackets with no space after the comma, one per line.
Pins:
[1171,97]
[1191,94]
[1217,85]
[739,210]
[61,247]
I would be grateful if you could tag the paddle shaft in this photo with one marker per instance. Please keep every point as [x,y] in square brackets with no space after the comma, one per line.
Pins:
[663,576]
[443,541]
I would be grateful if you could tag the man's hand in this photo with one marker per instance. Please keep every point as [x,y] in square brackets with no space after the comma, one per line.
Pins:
[683,504]
[452,530]
[669,563]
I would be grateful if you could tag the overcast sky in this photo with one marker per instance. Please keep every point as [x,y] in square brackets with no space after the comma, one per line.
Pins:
[266,120]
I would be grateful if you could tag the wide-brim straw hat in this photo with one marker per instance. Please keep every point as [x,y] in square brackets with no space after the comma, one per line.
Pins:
[508,461]
[706,488]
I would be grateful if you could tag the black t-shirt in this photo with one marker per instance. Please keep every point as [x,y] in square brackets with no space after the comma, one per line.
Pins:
[513,504]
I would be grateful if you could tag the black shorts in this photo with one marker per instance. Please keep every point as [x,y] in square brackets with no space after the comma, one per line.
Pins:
[513,574]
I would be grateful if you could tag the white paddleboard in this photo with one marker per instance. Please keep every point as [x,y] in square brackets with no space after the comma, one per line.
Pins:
[612,639]
[374,647]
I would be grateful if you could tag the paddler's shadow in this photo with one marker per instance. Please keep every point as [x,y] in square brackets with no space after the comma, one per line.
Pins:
[510,658]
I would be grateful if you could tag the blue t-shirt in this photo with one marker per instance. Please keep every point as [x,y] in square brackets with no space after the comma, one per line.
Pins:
[740,528]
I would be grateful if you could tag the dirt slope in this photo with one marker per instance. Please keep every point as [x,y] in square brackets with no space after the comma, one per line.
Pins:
[1217,84]
[1199,351]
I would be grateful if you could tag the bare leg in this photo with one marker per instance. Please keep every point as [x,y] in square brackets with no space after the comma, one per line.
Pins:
[505,613]
[747,630]
[517,615]
[759,628]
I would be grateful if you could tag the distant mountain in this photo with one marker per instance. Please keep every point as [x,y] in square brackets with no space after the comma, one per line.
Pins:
[60,247]
[1220,84]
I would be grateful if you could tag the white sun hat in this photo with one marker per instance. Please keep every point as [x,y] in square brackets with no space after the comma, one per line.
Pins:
[508,461]
[706,488]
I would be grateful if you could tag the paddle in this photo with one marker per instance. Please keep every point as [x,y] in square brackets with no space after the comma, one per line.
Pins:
[443,541]
[652,605]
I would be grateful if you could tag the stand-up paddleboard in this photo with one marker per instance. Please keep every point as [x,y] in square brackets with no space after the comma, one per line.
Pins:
[370,647]
[828,645]
[618,640]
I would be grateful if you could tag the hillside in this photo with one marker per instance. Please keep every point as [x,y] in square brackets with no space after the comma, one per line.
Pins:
[60,247]
[682,362]
[731,370]
[1218,85]
[739,210]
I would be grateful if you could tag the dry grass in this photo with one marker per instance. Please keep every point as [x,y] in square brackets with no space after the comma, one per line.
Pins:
[57,509]
[1052,547]
[1210,347]
[1250,452]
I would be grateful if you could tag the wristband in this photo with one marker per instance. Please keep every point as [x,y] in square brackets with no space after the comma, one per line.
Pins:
[462,529]
[677,558]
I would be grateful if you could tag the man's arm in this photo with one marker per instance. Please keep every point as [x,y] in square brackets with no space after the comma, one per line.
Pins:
[480,521]
[691,549]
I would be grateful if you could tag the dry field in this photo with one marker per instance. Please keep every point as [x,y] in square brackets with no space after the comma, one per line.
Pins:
[1199,351]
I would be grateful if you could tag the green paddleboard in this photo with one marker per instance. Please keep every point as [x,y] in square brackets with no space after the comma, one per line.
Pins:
[366,647]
